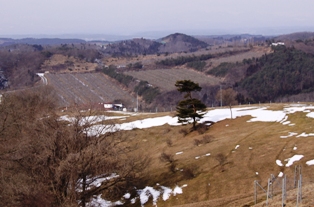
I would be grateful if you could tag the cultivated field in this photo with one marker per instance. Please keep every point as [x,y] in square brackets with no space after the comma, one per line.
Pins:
[255,52]
[85,88]
[166,78]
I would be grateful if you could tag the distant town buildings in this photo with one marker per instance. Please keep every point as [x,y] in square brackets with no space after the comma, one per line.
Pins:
[277,43]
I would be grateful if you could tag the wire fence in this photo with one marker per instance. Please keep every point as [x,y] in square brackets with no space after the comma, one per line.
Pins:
[281,185]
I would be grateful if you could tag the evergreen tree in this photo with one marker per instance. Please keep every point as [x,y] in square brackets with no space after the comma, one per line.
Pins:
[189,108]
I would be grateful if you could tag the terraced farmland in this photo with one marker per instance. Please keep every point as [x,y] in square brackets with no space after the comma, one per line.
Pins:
[166,78]
[85,88]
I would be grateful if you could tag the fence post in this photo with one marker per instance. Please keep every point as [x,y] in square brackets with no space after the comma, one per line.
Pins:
[267,194]
[298,193]
[283,191]
[300,188]
[255,193]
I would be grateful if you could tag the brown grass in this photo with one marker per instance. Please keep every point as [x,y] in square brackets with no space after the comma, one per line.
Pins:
[71,64]
[228,183]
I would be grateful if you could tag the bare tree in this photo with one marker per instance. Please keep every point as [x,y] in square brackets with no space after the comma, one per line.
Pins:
[47,161]
[221,158]
[228,97]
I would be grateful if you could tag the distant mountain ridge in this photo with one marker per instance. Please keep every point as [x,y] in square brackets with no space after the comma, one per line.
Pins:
[40,41]
[296,36]
[170,44]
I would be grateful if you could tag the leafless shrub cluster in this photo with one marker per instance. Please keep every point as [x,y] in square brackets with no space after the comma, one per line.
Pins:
[169,142]
[205,140]
[190,172]
[45,161]
[166,157]
[221,158]
[184,132]
[201,128]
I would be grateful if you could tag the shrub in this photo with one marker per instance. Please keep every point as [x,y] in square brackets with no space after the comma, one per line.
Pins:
[169,142]
[190,172]
[183,131]
[205,140]
[166,157]
[201,128]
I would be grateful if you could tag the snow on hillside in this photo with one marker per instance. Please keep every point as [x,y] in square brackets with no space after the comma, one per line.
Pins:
[262,114]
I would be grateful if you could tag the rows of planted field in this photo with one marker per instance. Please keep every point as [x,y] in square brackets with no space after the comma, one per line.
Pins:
[85,88]
[166,78]
[256,53]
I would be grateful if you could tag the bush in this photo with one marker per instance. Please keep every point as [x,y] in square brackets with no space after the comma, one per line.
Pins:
[190,172]
[201,128]
[169,142]
[205,140]
[183,131]
[164,157]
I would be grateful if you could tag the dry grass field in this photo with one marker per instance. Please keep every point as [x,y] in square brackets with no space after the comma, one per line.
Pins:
[148,60]
[86,88]
[165,79]
[226,176]
[255,52]
[64,64]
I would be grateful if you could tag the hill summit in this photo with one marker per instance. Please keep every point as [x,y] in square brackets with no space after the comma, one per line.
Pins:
[180,43]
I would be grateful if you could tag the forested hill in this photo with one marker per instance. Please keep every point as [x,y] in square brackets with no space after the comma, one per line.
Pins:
[285,72]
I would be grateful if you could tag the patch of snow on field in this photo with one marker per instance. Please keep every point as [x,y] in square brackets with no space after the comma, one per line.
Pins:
[284,119]
[258,114]
[305,134]
[143,195]
[289,135]
[295,108]
[279,163]
[293,159]
[310,115]
[100,202]
[90,119]
[166,193]
[310,162]
[148,192]
[127,196]
[177,190]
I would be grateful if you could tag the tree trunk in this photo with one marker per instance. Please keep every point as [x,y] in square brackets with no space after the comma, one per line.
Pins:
[230,110]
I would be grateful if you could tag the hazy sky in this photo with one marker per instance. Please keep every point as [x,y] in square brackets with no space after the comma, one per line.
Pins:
[129,17]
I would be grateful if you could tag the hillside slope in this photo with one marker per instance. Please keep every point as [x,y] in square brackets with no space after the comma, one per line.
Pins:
[86,89]
[218,165]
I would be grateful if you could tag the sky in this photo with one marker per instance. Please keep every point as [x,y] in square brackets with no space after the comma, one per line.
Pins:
[154,17]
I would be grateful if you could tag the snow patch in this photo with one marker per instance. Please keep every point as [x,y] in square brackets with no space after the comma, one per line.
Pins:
[293,159]
[279,163]
[280,174]
[310,162]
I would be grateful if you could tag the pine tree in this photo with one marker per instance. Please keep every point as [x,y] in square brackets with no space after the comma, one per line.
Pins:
[189,108]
